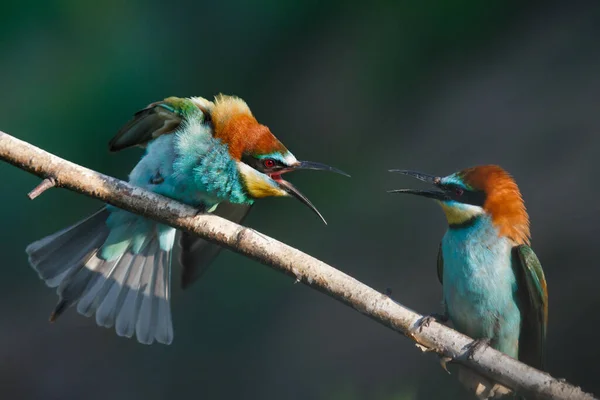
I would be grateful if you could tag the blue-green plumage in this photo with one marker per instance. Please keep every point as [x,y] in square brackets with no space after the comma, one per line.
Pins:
[214,156]
[493,284]
[124,276]
[189,165]
[479,284]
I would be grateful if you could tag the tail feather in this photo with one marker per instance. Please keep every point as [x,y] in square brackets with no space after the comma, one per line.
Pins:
[111,305]
[74,285]
[55,254]
[162,293]
[146,321]
[126,320]
[129,291]
[154,318]
[94,276]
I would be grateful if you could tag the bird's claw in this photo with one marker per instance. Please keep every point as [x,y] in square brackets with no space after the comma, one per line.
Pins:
[425,322]
[157,179]
[200,210]
[475,345]
[428,319]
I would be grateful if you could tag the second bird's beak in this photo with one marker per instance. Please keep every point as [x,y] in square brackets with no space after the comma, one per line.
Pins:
[293,191]
[434,180]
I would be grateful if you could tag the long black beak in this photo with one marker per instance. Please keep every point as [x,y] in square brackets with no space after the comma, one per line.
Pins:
[318,167]
[434,180]
[294,192]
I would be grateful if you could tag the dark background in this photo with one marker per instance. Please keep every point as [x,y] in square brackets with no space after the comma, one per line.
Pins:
[436,86]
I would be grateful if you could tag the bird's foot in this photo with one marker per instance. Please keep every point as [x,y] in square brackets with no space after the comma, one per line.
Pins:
[477,344]
[428,319]
[157,179]
[200,210]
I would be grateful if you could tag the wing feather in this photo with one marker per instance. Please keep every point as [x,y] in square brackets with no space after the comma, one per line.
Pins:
[533,295]
[440,265]
[158,118]
[196,253]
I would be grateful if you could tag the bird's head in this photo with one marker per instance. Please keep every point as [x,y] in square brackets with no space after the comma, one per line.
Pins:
[261,158]
[474,192]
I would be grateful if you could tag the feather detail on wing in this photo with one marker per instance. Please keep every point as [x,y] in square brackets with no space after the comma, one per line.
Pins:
[440,265]
[196,253]
[533,295]
[159,118]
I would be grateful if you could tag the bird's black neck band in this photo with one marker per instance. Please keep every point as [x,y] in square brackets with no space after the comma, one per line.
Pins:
[465,224]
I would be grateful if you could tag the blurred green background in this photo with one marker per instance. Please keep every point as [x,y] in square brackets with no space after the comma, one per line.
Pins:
[365,86]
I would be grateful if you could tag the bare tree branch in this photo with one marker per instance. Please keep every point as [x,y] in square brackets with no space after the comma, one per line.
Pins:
[435,337]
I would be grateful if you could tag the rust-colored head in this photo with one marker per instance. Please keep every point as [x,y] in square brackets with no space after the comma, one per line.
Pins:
[486,189]
[503,200]
[261,158]
[235,125]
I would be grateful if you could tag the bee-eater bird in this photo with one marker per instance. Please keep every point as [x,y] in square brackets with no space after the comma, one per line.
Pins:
[493,284]
[211,155]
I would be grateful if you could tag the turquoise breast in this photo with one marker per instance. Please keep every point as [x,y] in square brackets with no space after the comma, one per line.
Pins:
[480,285]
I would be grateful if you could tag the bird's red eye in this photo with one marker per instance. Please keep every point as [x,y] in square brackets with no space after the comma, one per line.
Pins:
[459,191]
[269,163]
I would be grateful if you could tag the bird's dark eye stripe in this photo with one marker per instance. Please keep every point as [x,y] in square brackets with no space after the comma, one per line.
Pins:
[453,188]
[466,196]
[261,164]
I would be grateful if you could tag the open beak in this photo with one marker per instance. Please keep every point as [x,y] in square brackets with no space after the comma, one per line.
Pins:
[317,167]
[434,180]
[293,191]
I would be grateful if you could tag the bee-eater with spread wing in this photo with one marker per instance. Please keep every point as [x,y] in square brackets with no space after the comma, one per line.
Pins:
[493,284]
[203,153]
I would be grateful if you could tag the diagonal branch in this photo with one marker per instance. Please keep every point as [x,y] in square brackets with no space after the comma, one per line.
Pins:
[435,337]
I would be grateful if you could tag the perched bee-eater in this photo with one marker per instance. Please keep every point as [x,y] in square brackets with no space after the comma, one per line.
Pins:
[494,288]
[211,155]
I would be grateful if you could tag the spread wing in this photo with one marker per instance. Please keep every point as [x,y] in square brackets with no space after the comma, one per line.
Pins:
[197,254]
[157,119]
[533,296]
[440,265]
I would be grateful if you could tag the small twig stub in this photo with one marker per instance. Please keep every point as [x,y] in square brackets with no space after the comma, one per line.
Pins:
[44,185]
